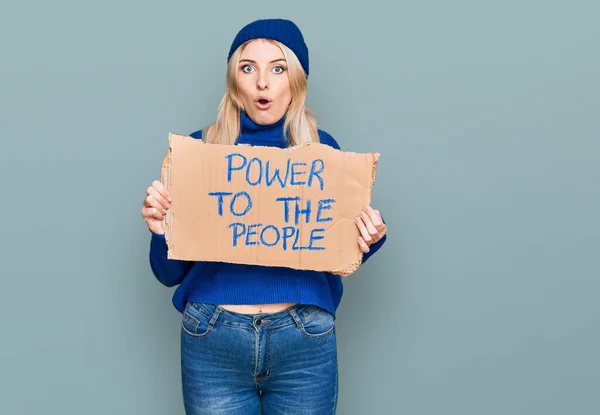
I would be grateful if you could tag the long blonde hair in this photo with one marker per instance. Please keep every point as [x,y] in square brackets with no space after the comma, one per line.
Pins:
[300,126]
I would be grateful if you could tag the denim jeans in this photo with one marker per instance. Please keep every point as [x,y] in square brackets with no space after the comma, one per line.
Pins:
[242,364]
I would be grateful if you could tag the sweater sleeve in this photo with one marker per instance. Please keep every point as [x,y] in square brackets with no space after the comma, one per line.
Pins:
[336,287]
[168,272]
[326,138]
[329,140]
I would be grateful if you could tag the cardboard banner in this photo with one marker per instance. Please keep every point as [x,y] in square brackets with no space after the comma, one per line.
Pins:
[292,207]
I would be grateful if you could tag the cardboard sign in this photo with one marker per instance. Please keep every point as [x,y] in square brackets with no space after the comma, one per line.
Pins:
[292,207]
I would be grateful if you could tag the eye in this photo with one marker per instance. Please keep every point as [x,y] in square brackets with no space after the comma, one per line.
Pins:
[247,68]
[278,69]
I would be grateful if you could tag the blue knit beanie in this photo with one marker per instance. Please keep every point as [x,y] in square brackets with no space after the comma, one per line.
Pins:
[284,31]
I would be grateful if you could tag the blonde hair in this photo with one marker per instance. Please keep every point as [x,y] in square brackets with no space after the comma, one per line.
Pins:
[300,126]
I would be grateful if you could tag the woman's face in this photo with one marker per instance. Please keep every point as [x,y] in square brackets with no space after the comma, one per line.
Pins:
[263,82]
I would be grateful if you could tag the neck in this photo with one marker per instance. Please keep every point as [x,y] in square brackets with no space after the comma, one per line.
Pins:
[261,135]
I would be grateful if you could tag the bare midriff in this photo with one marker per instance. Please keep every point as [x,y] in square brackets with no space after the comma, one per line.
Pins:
[257,308]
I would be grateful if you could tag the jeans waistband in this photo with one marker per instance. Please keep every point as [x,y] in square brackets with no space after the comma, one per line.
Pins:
[292,315]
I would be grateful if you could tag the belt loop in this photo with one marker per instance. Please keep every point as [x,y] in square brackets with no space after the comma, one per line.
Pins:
[296,318]
[215,316]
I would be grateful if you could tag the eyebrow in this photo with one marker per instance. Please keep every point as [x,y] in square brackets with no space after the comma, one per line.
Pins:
[250,60]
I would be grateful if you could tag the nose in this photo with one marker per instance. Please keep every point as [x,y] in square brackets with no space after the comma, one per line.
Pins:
[261,83]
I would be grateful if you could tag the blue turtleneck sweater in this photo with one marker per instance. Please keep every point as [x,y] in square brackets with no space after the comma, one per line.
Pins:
[226,283]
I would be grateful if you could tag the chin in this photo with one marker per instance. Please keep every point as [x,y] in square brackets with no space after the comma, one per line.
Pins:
[265,118]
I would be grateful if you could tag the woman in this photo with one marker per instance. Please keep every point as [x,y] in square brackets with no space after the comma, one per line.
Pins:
[252,337]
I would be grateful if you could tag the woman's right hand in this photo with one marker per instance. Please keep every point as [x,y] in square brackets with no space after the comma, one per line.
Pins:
[156,204]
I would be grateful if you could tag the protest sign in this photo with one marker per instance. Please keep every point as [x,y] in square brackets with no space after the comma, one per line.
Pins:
[292,207]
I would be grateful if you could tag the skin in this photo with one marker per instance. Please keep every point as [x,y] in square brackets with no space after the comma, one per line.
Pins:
[262,73]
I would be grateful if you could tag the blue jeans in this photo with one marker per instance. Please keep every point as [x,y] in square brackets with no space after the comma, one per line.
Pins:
[241,364]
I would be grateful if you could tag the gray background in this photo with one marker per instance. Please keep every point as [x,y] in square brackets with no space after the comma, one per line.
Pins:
[483,301]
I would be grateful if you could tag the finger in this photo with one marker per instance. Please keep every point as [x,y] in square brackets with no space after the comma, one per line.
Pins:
[363,230]
[151,202]
[161,189]
[152,213]
[363,245]
[158,190]
[159,198]
[369,224]
[376,218]
[383,231]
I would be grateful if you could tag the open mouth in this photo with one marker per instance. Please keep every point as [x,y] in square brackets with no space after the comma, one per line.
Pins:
[263,103]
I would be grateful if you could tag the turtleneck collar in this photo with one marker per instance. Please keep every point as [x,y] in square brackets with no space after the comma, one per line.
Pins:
[261,135]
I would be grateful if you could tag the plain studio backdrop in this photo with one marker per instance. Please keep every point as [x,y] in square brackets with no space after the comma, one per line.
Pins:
[484,300]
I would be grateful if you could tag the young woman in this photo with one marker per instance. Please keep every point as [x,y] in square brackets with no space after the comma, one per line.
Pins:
[257,338]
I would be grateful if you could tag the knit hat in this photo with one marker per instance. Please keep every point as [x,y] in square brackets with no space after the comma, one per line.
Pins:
[284,31]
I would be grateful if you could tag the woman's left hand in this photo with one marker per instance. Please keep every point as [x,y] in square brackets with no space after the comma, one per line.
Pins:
[371,227]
